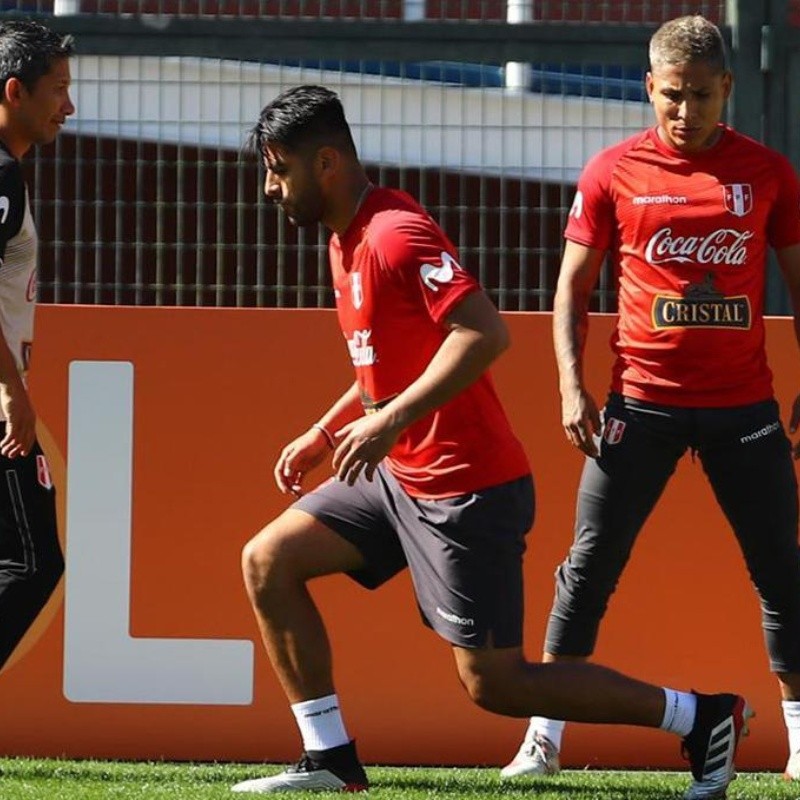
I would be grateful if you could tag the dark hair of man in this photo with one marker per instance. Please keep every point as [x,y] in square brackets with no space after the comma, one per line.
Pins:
[685,40]
[28,50]
[302,120]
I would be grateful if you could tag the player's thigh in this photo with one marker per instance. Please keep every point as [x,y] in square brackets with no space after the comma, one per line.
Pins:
[360,534]
[640,446]
[298,544]
[465,556]
[747,458]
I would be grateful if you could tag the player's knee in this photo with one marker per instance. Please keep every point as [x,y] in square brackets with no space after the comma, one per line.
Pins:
[491,695]
[585,603]
[263,560]
[488,689]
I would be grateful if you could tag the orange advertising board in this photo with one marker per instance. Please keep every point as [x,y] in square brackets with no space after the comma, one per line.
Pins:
[162,427]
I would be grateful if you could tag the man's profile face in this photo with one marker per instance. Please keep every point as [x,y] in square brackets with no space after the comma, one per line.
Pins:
[291,183]
[688,100]
[42,112]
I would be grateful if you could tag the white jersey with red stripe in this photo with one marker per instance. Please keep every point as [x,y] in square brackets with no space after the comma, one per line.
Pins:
[18,258]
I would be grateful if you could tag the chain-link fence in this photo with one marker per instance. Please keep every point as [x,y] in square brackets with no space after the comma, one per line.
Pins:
[153,204]
[584,11]
[145,199]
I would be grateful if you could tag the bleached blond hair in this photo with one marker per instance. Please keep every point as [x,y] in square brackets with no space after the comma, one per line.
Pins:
[687,39]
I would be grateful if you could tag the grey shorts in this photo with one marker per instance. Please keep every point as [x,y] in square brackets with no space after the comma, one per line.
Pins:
[464,553]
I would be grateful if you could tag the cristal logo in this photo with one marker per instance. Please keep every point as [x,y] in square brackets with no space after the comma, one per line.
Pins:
[723,246]
[361,351]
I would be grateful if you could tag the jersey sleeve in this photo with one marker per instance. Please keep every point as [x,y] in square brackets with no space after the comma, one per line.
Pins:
[12,203]
[592,221]
[783,226]
[414,250]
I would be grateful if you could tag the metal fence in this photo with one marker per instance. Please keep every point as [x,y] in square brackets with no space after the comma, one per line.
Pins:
[145,199]
[582,11]
[157,207]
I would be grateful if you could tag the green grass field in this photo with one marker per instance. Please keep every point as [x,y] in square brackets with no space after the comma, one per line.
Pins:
[91,780]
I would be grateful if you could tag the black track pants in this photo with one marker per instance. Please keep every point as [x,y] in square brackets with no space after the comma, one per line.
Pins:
[747,458]
[31,561]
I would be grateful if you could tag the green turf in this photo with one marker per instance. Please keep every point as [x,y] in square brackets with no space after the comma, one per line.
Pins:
[91,780]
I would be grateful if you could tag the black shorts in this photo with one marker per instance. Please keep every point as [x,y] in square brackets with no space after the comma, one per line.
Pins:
[464,553]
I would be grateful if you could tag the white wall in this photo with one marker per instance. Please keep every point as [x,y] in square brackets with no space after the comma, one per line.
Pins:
[395,121]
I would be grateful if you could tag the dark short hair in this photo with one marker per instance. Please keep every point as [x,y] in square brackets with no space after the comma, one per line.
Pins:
[303,118]
[28,50]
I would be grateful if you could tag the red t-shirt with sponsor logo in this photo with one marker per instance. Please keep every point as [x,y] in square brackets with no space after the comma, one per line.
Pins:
[396,277]
[689,235]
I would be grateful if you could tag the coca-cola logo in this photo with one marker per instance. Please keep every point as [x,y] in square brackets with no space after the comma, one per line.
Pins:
[723,246]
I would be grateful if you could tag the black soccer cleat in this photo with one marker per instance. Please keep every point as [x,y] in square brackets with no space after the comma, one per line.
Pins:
[710,747]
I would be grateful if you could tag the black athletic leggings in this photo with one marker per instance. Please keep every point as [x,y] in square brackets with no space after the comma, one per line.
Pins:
[747,458]
[31,562]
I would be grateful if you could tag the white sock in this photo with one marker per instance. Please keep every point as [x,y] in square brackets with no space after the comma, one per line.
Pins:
[791,716]
[679,712]
[320,722]
[553,729]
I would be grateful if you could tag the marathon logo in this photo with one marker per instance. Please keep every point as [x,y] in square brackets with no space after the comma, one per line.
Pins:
[467,622]
[759,434]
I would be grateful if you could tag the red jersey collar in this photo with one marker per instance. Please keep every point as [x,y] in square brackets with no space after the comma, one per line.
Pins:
[664,148]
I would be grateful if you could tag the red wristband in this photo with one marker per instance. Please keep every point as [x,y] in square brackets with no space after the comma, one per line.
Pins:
[326,433]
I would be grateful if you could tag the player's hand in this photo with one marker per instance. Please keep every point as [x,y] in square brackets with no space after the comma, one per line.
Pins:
[363,444]
[794,421]
[580,418]
[20,422]
[298,458]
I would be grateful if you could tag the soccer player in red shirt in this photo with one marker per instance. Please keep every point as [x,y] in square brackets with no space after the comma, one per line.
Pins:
[686,211]
[429,475]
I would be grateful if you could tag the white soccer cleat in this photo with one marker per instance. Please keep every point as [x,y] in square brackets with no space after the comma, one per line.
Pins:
[792,771]
[536,756]
[318,780]
[334,770]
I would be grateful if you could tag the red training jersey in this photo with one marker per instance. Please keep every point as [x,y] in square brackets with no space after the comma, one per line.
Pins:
[396,277]
[689,236]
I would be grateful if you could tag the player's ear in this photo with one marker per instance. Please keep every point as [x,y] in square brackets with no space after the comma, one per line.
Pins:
[12,93]
[328,161]
[727,83]
[648,85]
